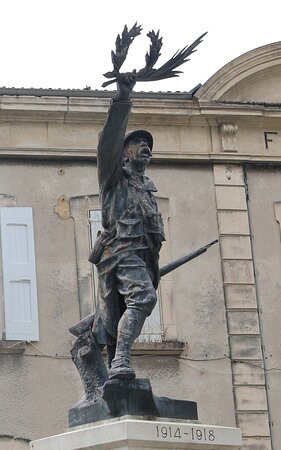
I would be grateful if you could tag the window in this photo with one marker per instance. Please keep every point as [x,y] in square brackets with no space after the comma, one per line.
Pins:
[20,321]
[152,329]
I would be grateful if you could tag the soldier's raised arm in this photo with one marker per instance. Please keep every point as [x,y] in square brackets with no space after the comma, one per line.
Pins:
[111,140]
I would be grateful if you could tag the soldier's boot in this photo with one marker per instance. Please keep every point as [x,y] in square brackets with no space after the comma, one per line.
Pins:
[87,357]
[129,329]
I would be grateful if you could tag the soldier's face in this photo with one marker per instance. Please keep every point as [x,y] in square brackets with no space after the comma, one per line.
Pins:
[138,152]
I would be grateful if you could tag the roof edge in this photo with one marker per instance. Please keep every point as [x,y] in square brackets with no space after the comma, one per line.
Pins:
[41,92]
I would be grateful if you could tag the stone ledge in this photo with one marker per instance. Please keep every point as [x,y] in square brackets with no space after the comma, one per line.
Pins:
[134,434]
[89,154]
[12,347]
[158,348]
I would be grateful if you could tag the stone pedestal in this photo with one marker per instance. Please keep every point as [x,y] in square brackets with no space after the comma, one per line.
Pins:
[132,433]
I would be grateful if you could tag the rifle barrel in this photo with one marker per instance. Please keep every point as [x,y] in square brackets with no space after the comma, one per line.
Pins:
[85,324]
[184,259]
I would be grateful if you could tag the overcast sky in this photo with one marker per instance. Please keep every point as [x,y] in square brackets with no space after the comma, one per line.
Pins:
[67,43]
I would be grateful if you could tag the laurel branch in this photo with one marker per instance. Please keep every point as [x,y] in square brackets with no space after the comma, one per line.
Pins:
[148,73]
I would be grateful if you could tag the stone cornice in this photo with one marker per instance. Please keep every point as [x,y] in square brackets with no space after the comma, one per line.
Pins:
[198,131]
[93,109]
[89,154]
[238,109]
[156,111]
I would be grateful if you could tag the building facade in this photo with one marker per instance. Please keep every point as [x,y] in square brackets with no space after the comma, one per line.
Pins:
[215,335]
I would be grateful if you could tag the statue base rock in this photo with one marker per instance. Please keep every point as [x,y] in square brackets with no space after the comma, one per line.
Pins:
[130,397]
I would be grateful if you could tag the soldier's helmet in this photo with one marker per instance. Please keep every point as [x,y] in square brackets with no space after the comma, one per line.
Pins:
[139,134]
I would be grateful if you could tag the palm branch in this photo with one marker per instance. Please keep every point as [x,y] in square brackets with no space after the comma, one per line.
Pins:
[148,73]
[168,69]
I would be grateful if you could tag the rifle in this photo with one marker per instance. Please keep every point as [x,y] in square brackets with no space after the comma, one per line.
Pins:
[184,259]
[83,325]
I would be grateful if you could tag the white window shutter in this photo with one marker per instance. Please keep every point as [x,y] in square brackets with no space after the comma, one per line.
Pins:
[95,220]
[152,329]
[19,274]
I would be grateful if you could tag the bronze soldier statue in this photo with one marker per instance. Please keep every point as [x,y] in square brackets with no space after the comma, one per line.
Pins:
[126,255]
[126,252]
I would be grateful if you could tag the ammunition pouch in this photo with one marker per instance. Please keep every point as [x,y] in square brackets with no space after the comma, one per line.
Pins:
[129,228]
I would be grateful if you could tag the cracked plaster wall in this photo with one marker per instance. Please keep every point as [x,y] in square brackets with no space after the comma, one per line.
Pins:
[36,392]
